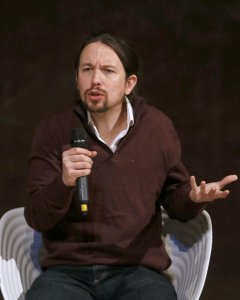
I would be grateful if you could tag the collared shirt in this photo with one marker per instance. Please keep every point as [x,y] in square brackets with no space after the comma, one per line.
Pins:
[130,122]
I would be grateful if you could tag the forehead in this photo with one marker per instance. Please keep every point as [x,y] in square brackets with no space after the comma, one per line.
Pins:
[98,52]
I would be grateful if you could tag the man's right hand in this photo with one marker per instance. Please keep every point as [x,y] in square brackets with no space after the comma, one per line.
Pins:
[77,162]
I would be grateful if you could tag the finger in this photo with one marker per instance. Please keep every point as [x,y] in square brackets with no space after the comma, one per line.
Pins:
[77,150]
[78,173]
[222,194]
[193,183]
[79,165]
[213,193]
[226,180]
[203,188]
[80,158]
[74,159]
[93,153]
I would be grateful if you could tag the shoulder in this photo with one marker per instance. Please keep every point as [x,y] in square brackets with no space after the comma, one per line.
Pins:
[67,116]
[56,126]
[59,115]
[159,124]
[142,109]
[153,115]
[150,119]
[156,118]
[158,114]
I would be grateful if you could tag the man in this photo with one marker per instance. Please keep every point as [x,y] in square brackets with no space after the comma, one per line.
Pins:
[133,166]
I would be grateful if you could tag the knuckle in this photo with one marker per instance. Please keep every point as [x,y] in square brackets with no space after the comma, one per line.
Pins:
[88,172]
[70,173]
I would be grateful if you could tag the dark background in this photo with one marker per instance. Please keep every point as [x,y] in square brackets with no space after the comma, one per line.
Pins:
[190,54]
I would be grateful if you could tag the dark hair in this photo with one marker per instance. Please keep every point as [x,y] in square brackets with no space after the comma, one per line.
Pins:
[124,50]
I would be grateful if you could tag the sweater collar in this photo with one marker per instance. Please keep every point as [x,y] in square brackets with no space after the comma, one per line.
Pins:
[130,115]
[138,106]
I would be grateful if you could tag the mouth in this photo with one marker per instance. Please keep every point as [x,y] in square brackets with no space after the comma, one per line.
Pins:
[95,95]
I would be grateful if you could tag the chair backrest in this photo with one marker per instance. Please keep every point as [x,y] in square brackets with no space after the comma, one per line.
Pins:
[19,255]
[188,244]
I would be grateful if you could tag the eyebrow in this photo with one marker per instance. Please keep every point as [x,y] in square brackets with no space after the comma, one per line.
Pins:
[102,66]
[85,64]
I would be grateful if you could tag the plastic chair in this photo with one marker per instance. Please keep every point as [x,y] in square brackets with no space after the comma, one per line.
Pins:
[189,246]
[19,255]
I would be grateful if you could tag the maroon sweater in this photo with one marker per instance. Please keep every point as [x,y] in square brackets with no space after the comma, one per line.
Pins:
[126,189]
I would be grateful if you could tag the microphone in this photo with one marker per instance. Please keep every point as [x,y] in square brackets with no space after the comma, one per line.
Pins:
[79,139]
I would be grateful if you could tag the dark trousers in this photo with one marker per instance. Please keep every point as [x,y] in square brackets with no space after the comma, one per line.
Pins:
[101,282]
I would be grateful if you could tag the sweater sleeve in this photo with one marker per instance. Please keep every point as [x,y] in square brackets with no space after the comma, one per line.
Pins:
[49,199]
[175,192]
[175,197]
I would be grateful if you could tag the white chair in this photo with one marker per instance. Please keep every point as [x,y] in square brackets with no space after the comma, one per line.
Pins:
[189,246]
[19,255]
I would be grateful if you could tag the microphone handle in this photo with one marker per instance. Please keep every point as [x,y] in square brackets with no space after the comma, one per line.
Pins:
[82,193]
[78,139]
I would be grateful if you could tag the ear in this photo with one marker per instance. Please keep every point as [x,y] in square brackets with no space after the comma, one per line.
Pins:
[130,84]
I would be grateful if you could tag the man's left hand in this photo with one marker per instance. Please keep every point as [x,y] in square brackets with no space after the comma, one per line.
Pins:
[208,192]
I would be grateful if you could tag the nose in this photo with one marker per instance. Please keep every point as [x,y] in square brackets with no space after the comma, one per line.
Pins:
[96,79]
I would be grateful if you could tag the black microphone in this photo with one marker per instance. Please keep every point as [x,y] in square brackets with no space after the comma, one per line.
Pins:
[79,140]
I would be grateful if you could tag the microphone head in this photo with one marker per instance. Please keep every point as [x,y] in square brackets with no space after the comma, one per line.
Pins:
[79,138]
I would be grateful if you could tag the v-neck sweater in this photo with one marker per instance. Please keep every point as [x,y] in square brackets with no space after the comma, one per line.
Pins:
[127,189]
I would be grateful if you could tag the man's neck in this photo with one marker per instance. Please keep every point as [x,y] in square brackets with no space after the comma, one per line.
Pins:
[111,122]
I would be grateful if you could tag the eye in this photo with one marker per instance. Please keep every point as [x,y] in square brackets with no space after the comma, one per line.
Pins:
[108,71]
[87,69]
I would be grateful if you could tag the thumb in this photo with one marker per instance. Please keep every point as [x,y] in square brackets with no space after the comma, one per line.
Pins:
[93,154]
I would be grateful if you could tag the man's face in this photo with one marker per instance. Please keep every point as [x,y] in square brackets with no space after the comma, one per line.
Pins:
[101,78]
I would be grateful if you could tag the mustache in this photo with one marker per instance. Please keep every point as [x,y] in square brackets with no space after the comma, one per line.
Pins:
[95,90]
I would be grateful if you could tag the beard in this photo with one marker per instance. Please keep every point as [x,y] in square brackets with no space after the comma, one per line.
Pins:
[100,105]
[96,106]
